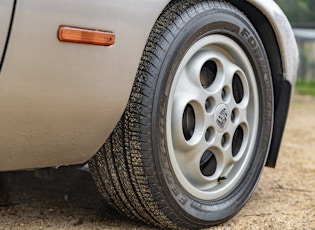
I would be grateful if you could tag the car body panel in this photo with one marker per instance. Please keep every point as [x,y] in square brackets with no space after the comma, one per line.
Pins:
[60,101]
[6,9]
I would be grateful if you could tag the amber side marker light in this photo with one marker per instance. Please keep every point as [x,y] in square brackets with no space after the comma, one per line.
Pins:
[85,36]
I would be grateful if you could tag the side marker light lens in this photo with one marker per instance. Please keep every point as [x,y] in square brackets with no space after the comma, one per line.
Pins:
[85,36]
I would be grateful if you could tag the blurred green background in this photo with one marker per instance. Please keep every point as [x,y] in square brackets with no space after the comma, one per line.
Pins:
[301,14]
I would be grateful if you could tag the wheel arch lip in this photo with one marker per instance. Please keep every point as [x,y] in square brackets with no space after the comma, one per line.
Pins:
[284,36]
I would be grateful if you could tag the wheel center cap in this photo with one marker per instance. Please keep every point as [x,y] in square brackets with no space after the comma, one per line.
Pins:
[222,118]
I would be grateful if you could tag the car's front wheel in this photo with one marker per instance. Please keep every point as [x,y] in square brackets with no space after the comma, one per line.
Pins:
[192,143]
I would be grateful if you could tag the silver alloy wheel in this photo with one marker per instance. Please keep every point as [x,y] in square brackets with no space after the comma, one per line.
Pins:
[212,119]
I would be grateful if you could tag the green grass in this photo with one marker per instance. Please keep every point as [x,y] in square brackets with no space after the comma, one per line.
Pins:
[306,87]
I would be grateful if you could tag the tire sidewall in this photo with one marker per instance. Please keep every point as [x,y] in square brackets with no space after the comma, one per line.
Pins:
[231,24]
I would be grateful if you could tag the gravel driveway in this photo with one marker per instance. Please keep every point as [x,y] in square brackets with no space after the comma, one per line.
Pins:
[284,198]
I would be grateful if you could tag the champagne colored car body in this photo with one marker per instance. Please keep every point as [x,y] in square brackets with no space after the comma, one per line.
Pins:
[60,101]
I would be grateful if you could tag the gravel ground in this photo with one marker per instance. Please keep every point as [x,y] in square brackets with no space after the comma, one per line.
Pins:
[284,198]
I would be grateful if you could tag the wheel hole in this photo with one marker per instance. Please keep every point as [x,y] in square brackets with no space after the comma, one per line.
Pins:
[208,163]
[237,140]
[210,132]
[235,115]
[208,73]
[238,89]
[225,93]
[210,104]
[189,122]
[225,140]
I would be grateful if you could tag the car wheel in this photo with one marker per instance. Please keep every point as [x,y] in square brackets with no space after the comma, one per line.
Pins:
[192,143]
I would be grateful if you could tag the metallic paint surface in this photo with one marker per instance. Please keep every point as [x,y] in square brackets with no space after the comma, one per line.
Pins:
[60,101]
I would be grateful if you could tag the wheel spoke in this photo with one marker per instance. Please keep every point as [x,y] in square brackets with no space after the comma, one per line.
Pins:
[229,70]
[188,89]
[192,163]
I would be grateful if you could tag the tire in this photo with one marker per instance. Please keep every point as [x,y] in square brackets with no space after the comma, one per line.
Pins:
[192,143]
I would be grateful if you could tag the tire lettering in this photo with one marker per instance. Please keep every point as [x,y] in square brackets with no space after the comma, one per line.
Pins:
[245,32]
[162,151]
[162,109]
[254,45]
[161,118]
[161,125]
[169,178]
[182,200]
[175,191]
[164,163]
[257,51]
[162,147]
[252,42]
